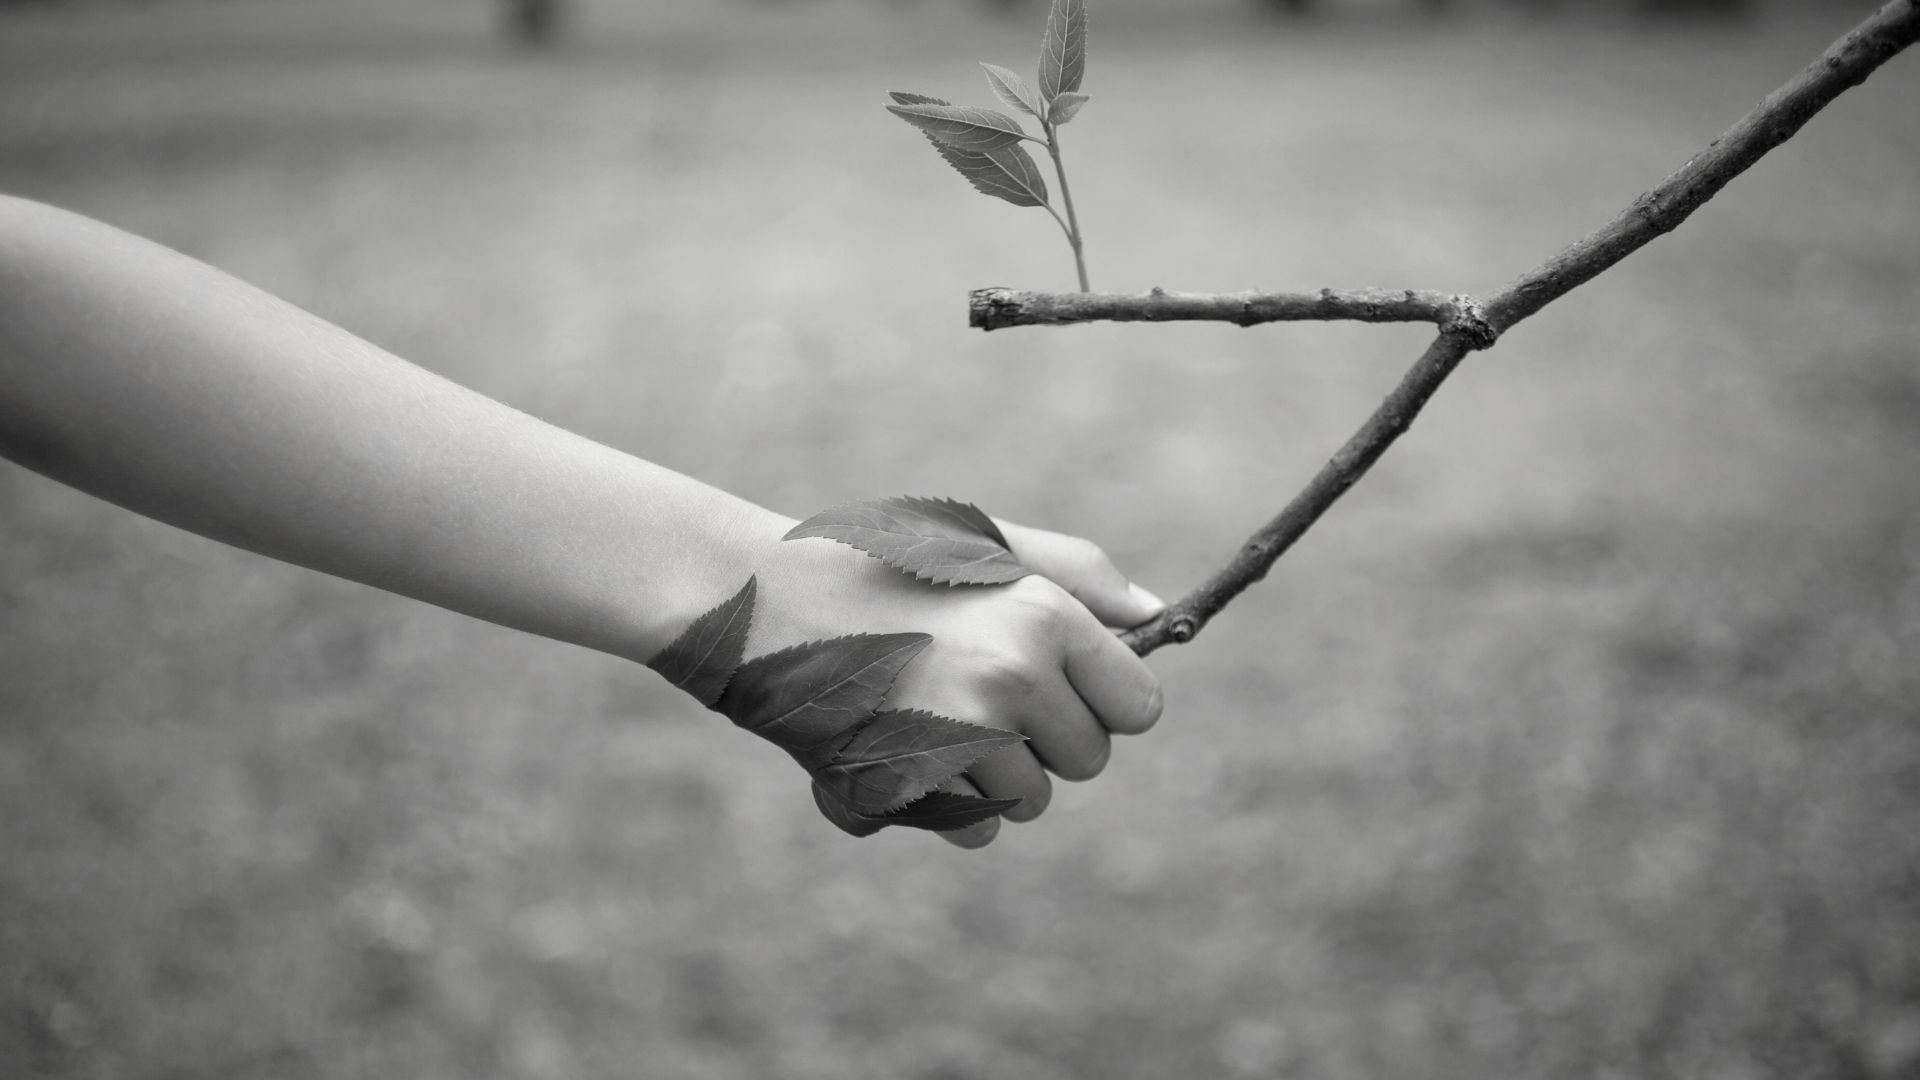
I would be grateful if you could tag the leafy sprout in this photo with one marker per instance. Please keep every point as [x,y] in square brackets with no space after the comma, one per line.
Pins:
[983,145]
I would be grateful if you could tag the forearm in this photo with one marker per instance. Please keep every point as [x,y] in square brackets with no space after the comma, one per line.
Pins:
[153,381]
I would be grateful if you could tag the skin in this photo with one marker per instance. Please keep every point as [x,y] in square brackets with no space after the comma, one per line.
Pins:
[158,383]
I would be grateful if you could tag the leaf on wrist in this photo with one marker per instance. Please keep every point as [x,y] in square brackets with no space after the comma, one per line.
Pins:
[1065,108]
[808,698]
[1013,90]
[937,540]
[964,127]
[1063,49]
[900,755]
[702,660]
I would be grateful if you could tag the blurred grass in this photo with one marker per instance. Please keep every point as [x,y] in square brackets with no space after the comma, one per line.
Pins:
[1580,740]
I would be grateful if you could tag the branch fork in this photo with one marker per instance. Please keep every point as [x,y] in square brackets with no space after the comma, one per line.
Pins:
[1465,324]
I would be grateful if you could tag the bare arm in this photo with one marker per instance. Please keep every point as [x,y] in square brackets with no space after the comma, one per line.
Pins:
[156,382]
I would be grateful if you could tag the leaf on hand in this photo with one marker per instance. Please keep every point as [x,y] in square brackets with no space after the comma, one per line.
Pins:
[1007,173]
[1013,90]
[1065,108]
[943,811]
[807,698]
[963,127]
[703,658]
[940,811]
[900,755]
[937,540]
[1063,49]
[848,819]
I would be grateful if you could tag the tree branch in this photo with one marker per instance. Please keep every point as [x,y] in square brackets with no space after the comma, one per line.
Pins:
[996,308]
[1845,64]
[1464,327]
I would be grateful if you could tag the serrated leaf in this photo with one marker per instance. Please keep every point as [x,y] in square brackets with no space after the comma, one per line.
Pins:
[704,657]
[848,819]
[807,698]
[901,754]
[1063,49]
[1065,108]
[964,127]
[902,97]
[1007,173]
[1013,90]
[937,540]
[944,811]
[940,811]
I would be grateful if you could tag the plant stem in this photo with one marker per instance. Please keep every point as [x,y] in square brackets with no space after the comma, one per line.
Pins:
[1060,221]
[1066,196]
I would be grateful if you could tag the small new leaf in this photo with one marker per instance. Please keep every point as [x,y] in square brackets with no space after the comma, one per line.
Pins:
[963,127]
[702,659]
[807,698]
[936,540]
[1063,49]
[1007,173]
[1065,108]
[900,755]
[1013,90]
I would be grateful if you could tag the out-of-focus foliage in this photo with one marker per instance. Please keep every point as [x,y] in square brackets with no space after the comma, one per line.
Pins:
[1580,740]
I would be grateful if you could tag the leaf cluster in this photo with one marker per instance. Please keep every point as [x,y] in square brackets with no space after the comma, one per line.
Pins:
[824,702]
[983,145]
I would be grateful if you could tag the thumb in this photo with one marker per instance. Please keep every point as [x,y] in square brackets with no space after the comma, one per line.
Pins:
[1085,571]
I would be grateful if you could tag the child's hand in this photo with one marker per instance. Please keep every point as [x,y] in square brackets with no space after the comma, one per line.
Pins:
[1033,656]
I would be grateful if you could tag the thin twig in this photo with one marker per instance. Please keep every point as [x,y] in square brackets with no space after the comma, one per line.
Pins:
[1845,64]
[1066,196]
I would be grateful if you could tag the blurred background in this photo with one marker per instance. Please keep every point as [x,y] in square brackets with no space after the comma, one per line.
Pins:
[1580,740]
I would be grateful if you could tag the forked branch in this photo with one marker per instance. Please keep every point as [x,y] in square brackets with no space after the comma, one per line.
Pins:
[1844,65]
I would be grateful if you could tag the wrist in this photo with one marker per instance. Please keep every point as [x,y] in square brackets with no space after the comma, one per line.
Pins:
[729,543]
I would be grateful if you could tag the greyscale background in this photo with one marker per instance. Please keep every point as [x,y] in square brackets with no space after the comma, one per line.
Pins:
[1580,740]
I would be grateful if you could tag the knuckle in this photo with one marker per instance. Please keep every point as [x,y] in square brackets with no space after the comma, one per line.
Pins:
[1090,558]
[1041,605]
[1010,674]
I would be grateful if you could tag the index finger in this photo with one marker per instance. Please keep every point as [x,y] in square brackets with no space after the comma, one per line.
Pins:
[1116,684]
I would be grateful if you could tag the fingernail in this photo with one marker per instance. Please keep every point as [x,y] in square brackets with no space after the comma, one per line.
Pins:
[1146,597]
